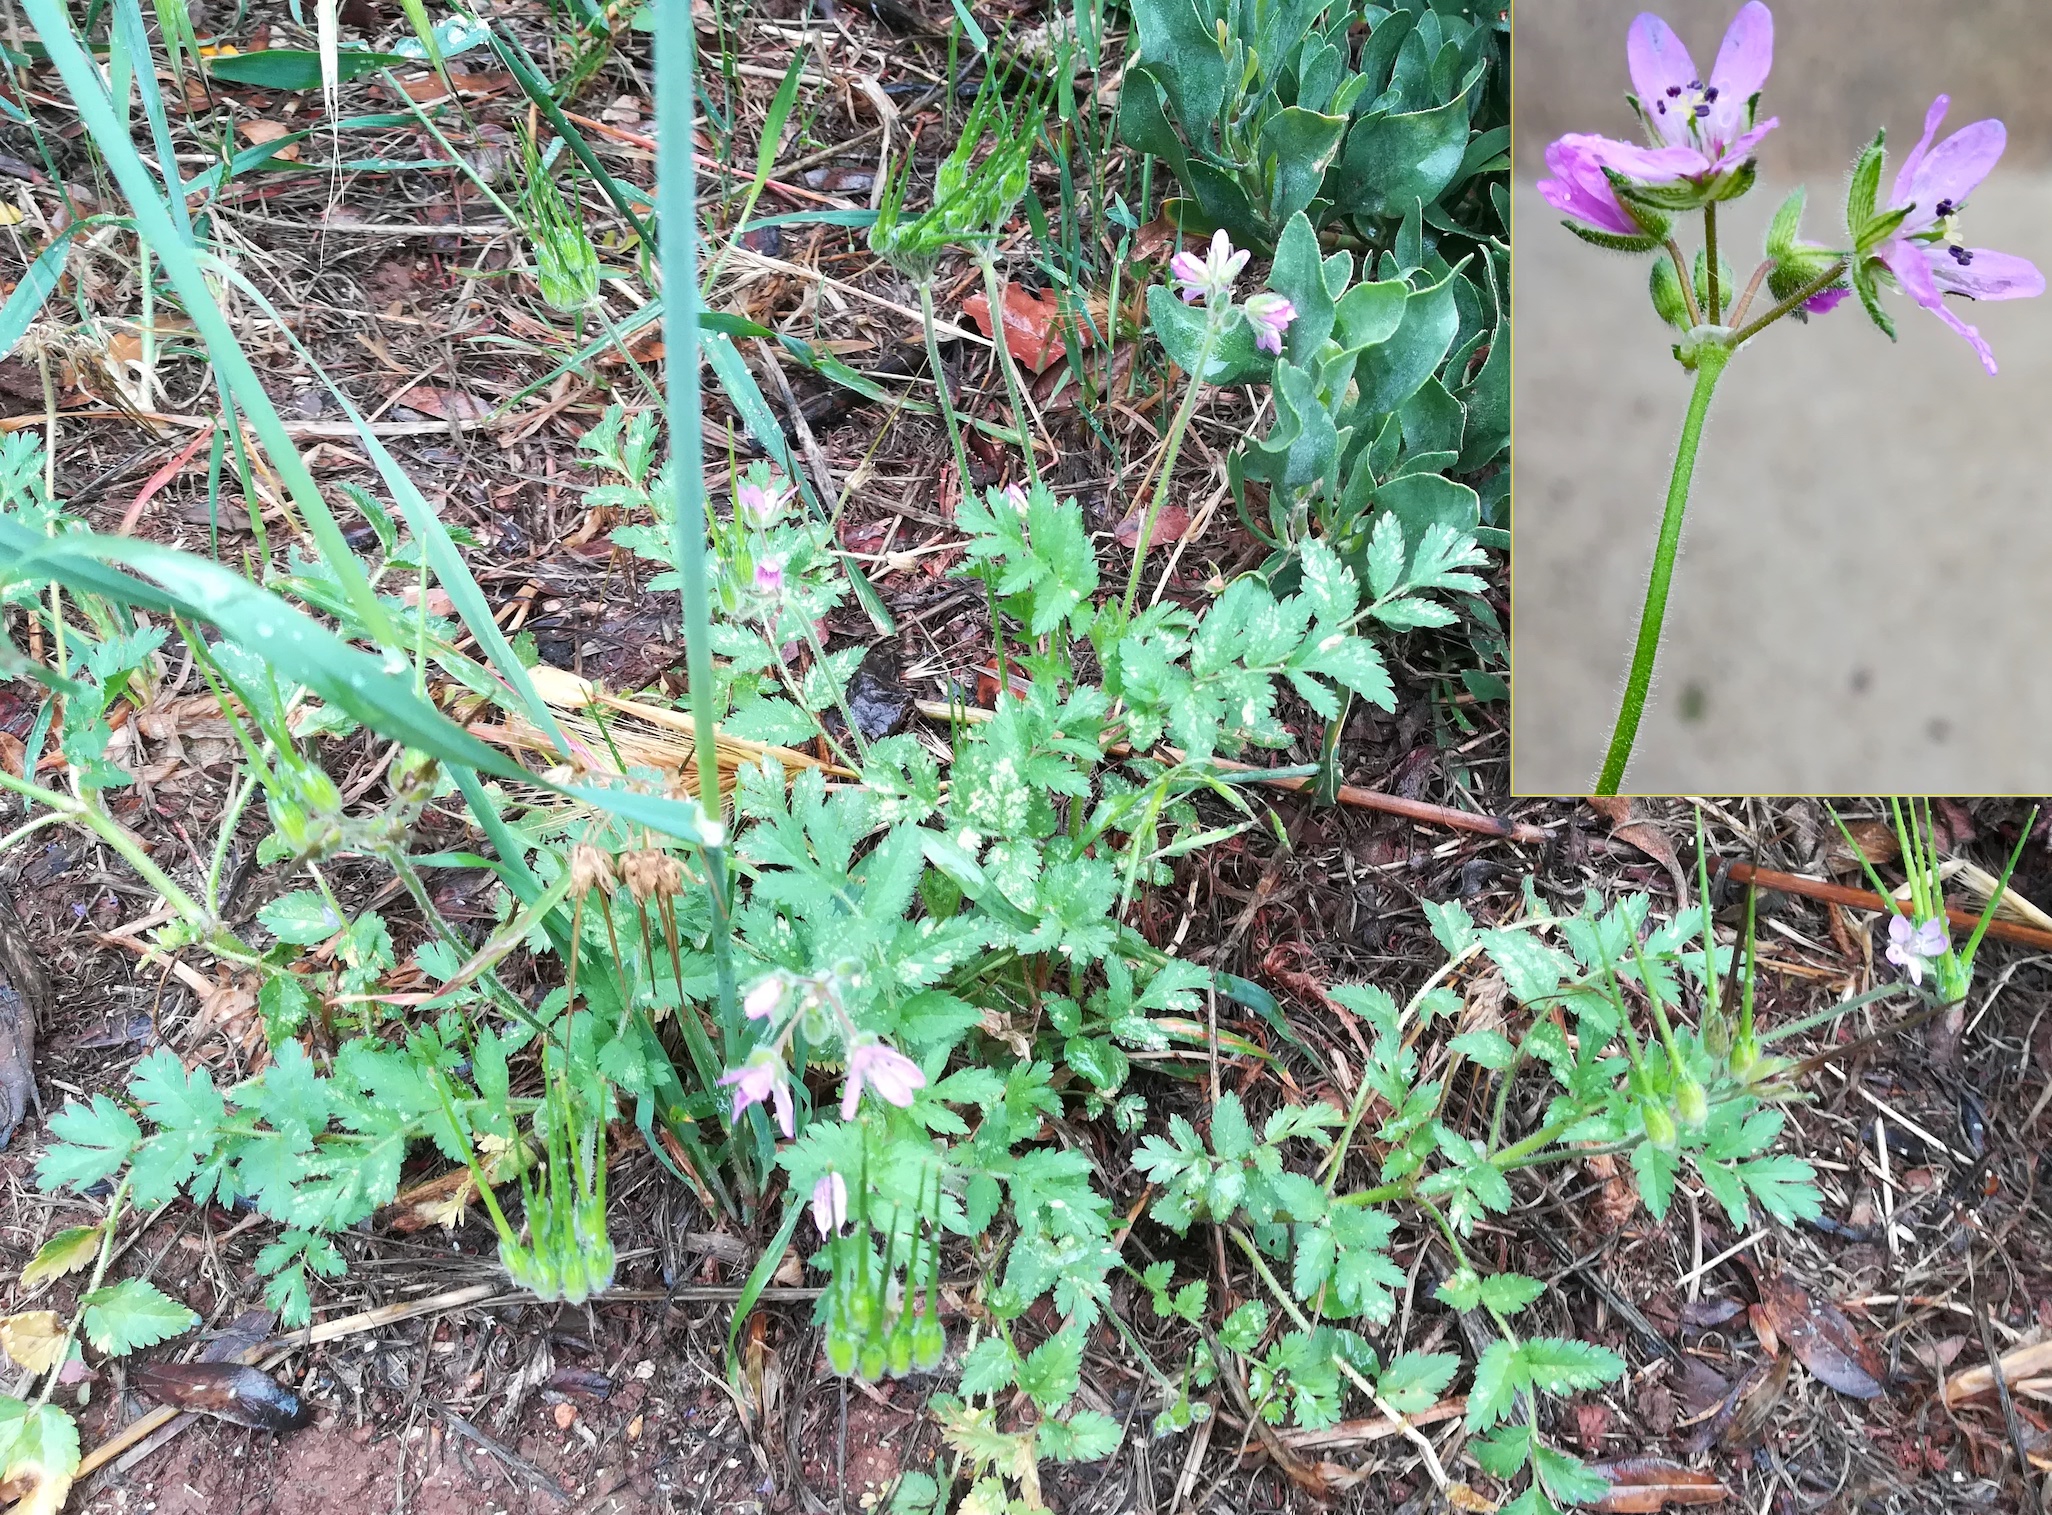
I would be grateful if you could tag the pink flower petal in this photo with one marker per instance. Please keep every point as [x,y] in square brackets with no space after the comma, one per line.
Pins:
[1956,166]
[1741,148]
[1649,165]
[1741,68]
[1910,164]
[1660,63]
[1990,275]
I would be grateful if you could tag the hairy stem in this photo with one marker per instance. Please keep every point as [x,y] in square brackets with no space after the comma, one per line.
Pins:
[1639,682]
[1214,319]
[1710,258]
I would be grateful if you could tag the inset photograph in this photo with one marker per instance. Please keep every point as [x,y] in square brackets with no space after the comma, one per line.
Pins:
[1782,371]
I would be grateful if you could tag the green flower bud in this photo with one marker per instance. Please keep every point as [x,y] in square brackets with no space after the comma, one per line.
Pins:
[1666,289]
[1691,1104]
[1659,1127]
[929,1341]
[871,1360]
[899,1347]
[840,1352]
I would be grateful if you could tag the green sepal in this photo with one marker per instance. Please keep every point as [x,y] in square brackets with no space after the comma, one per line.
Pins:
[1864,187]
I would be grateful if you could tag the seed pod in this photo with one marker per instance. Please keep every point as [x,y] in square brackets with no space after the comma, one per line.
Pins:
[591,869]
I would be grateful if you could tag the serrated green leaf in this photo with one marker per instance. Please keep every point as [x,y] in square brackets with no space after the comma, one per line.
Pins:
[1416,1379]
[1492,1049]
[1499,1374]
[1231,1137]
[1051,1372]
[1559,1366]
[93,1141]
[302,918]
[989,1366]
[131,1314]
[1508,1293]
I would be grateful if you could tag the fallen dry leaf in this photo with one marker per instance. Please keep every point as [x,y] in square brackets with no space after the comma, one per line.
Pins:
[35,1339]
[1170,523]
[443,403]
[1644,835]
[1744,1413]
[1033,330]
[257,133]
[2018,1363]
[1640,1485]
[1818,1332]
[1618,1200]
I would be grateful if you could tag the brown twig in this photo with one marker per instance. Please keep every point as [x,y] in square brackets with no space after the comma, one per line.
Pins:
[1391,804]
[1860,899]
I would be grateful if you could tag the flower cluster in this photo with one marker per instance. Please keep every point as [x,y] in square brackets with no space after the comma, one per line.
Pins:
[787,1001]
[1210,279]
[1701,138]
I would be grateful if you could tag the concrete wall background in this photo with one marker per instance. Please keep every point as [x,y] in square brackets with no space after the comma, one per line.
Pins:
[1864,598]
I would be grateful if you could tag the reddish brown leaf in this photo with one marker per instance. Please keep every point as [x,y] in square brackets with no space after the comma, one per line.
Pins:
[1823,1338]
[1703,1314]
[1171,523]
[1033,328]
[1640,1485]
[443,404]
[1743,1415]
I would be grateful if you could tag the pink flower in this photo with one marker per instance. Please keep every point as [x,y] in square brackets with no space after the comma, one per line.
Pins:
[1705,128]
[1824,301]
[830,1204]
[759,496]
[1270,314]
[764,999]
[1579,189]
[1015,496]
[1909,946]
[1210,277]
[769,576]
[762,1078]
[1925,254]
[892,1075]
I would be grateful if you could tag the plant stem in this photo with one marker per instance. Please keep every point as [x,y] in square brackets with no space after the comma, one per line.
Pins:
[100,1263]
[1184,411]
[1747,333]
[677,207]
[1710,258]
[1688,285]
[1002,345]
[1709,367]
[954,425]
[94,818]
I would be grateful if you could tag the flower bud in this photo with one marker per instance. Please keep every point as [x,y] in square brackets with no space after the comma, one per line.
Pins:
[413,776]
[929,1341]
[899,1347]
[871,1360]
[1659,1126]
[840,1351]
[1691,1104]
[1666,289]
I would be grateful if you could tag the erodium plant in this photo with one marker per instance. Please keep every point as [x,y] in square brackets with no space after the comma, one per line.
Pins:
[1701,132]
